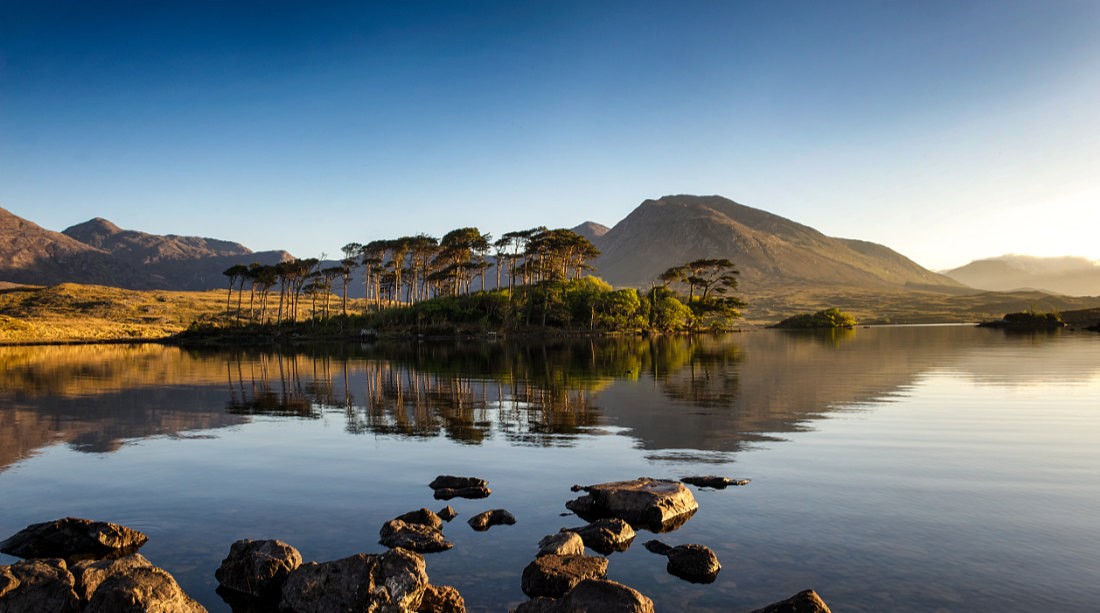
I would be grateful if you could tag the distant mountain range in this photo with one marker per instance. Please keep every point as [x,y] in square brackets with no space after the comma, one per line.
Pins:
[1071,276]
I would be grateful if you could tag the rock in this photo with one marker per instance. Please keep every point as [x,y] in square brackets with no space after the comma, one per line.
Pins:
[441,599]
[448,493]
[718,483]
[38,585]
[806,601]
[592,595]
[258,568]
[393,581]
[447,513]
[73,538]
[605,535]
[485,520]
[89,574]
[452,483]
[567,543]
[553,575]
[420,538]
[655,504]
[141,589]
[424,517]
[695,563]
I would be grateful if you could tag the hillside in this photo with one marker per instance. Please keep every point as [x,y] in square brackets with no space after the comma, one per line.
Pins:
[1071,276]
[591,230]
[770,251]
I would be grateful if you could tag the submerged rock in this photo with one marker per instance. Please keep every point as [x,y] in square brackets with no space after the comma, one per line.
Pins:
[258,568]
[441,599]
[806,601]
[592,595]
[37,585]
[447,513]
[695,563]
[451,482]
[448,493]
[420,538]
[718,483]
[554,575]
[567,543]
[658,505]
[485,520]
[73,538]
[605,535]
[393,581]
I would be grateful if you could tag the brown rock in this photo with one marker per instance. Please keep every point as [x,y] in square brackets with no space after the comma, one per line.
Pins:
[441,599]
[718,483]
[806,601]
[143,589]
[449,482]
[38,585]
[414,537]
[393,581]
[448,493]
[73,538]
[605,535]
[424,517]
[592,595]
[89,574]
[553,575]
[258,568]
[487,519]
[695,563]
[655,504]
[567,543]
[447,513]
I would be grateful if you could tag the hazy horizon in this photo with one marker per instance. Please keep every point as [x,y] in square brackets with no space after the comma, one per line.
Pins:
[949,132]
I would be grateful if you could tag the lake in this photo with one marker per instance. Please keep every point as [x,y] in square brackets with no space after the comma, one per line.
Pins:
[924,468]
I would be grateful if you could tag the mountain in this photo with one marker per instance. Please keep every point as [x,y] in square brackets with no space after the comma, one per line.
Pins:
[1071,276]
[187,262]
[591,230]
[34,255]
[770,251]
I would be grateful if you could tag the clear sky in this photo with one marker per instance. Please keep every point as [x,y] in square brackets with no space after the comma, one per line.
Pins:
[946,130]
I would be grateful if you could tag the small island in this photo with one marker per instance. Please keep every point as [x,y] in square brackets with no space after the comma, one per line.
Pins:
[827,319]
[1030,320]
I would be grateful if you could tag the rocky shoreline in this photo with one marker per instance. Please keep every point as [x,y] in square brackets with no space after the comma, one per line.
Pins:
[76,565]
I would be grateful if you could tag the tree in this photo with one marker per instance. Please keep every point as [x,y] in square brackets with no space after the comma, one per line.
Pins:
[348,265]
[236,274]
[714,279]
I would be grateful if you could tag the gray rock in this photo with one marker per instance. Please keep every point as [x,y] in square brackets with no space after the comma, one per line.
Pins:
[392,582]
[447,513]
[424,517]
[143,589]
[718,483]
[806,601]
[553,575]
[567,543]
[695,563]
[258,568]
[655,504]
[414,537]
[32,586]
[451,483]
[448,493]
[487,519]
[73,538]
[605,535]
[592,595]
[441,599]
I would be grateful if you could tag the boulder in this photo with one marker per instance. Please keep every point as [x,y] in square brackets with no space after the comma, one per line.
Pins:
[424,517]
[592,595]
[141,589]
[567,543]
[605,535]
[448,493]
[38,585]
[718,483]
[447,513]
[89,574]
[658,505]
[806,601]
[420,538]
[258,568]
[451,483]
[441,599]
[393,581]
[73,538]
[485,520]
[553,575]
[695,563]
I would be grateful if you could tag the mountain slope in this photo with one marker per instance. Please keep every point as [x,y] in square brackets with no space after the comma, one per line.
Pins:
[591,230]
[1072,276]
[770,251]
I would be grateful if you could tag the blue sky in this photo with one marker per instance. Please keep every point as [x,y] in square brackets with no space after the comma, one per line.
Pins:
[948,131]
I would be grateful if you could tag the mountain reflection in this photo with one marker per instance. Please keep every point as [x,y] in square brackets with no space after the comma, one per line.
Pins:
[679,397]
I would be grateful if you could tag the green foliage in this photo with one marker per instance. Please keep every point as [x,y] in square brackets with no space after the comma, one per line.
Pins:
[829,318]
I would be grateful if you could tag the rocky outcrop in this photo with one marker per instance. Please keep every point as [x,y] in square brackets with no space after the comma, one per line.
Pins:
[567,543]
[605,535]
[695,563]
[420,538]
[487,519]
[711,481]
[655,504]
[73,538]
[38,585]
[258,568]
[393,581]
[554,575]
[592,595]
[441,599]
[447,487]
[424,517]
[806,601]
[141,589]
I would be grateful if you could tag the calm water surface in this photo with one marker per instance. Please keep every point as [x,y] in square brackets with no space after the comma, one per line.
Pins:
[902,469]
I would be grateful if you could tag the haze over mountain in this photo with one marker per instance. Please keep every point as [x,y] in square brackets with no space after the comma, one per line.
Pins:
[1072,276]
